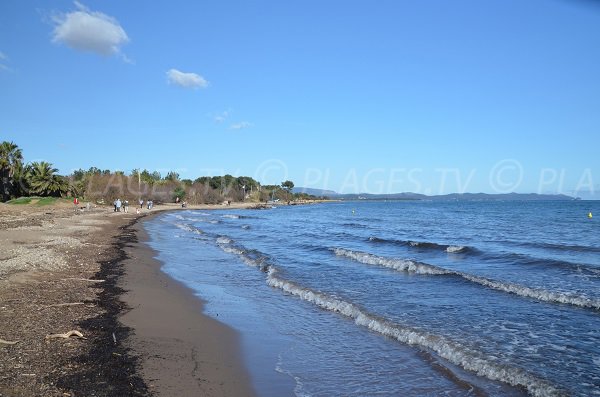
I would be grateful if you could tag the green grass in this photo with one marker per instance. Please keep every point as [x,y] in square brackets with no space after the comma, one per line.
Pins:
[47,201]
[40,201]
[20,201]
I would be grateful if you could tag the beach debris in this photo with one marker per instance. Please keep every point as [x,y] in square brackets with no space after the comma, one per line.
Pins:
[7,342]
[66,304]
[89,280]
[114,338]
[66,335]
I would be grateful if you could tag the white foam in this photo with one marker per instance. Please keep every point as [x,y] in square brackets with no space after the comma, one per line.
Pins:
[410,266]
[402,265]
[223,240]
[188,228]
[231,216]
[232,250]
[452,351]
[455,249]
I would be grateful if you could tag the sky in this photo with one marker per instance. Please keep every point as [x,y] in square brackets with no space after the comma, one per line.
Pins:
[429,96]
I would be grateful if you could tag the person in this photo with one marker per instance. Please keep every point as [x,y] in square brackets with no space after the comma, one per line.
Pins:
[118,205]
[126,206]
[141,203]
[115,204]
[75,203]
[148,203]
[184,204]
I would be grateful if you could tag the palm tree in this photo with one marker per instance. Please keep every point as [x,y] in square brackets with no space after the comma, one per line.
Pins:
[43,180]
[11,161]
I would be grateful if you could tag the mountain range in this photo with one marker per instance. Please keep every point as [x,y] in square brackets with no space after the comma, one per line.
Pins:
[417,196]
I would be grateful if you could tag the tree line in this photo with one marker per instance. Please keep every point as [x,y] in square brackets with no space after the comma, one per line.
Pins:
[104,186]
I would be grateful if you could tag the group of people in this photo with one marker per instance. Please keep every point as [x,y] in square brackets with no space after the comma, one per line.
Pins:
[124,205]
[118,204]
[149,204]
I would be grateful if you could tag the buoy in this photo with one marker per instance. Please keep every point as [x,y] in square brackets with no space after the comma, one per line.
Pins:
[353,211]
[590,215]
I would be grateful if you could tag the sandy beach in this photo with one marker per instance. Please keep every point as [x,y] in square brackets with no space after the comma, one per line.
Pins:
[85,310]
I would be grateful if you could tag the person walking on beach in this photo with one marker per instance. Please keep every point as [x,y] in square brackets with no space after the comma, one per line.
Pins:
[115,204]
[141,204]
[118,205]
[126,206]
[75,203]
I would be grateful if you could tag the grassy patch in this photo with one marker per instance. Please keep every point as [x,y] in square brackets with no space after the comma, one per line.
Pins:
[20,201]
[47,201]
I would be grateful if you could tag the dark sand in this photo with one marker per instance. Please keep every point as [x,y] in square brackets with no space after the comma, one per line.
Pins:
[182,351]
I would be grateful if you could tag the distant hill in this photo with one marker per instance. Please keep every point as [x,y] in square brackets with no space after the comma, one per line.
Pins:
[315,192]
[446,197]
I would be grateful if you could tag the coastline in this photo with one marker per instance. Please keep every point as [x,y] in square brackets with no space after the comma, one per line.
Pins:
[63,271]
[181,350]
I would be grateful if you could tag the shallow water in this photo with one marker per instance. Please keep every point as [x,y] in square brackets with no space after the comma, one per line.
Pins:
[400,298]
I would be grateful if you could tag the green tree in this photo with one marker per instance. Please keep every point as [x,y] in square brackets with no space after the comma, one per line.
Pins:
[179,192]
[287,186]
[172,176]
[43,180]
[11,162]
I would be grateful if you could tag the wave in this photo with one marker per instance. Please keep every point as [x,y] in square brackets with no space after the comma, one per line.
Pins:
[236,216]
[450,350]
[452,249]
[189,228]
[546,263]
[558,247]
[253,258]
[356,225]
[410,266]
[223,240]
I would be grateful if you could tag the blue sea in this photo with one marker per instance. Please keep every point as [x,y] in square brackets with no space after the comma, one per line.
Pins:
[404,298]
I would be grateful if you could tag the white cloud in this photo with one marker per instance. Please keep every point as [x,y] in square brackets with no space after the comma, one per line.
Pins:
[2,65]
[219,118]
[240,125]
[88,30]
[186,80]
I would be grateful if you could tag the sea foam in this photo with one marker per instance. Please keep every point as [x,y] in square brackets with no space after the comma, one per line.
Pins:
[410,266]
[452,351]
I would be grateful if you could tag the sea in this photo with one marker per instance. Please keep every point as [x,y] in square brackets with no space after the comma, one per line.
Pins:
[400,298]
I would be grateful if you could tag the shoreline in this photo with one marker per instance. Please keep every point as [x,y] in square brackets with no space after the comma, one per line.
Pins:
[62,270]
[181,350]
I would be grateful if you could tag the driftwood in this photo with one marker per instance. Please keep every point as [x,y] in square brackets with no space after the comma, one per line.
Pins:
[65,304]
[6,342]
[89,280]
[66,335]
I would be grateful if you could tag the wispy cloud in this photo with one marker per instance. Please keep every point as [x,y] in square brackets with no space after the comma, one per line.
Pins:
[3,59]
[221,117]
[240,126]
[92,31]
[186,80]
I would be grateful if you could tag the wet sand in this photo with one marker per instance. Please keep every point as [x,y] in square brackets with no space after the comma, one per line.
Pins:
[182,352]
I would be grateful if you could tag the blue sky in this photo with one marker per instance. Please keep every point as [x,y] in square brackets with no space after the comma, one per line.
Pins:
[353,96]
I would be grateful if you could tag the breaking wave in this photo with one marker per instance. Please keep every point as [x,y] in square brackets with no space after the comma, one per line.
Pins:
[189,228]
[452,249]
[410,266]
[450,350]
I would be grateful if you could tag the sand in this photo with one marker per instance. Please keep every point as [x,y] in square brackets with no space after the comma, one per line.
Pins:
[143,333]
